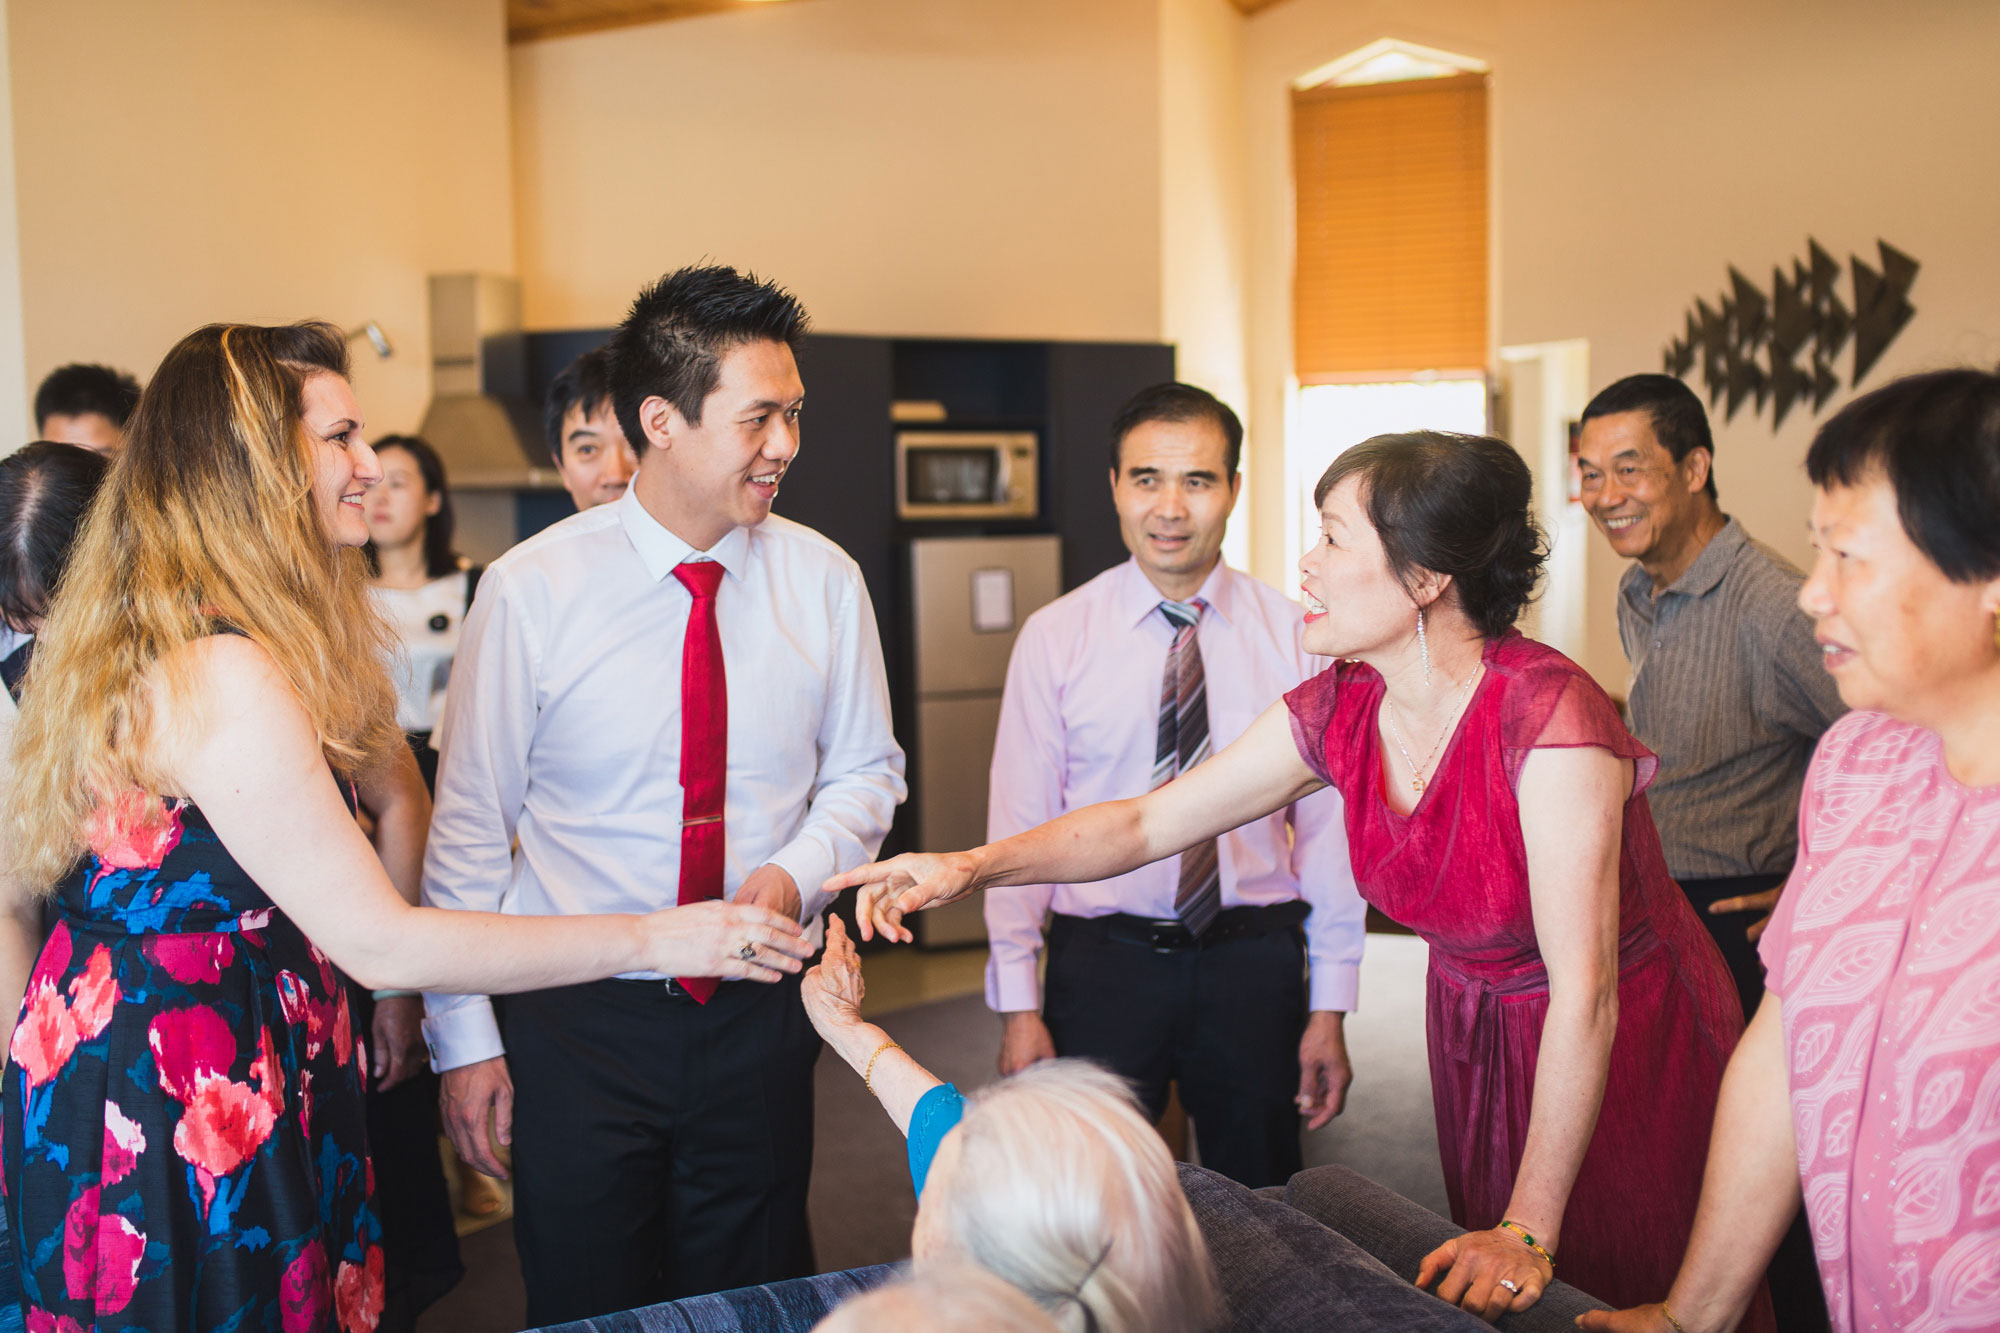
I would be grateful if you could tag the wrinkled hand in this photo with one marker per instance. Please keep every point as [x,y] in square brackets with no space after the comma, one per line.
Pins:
[771,886]
[707,939]
[397,1038]
[832,991]
[477,1103]
[1024,1040]
[1638,1319]
[1473,1264]
[908,883]
[1765,902]
[1324,1072]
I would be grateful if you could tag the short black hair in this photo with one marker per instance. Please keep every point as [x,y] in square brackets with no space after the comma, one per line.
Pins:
[585,381]
[1936,438]
[76,389]
[1461,505]
[1177,402]
[439,528]
[1680,423]
[672,343]
[45,491]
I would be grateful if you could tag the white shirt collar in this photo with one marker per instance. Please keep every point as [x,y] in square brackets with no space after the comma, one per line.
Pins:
[1139,598]
[661,550]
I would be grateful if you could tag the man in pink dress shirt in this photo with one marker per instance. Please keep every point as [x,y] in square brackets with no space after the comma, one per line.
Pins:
[1225,1008]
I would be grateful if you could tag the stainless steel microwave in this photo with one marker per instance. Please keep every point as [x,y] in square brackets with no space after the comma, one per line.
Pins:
[966,474]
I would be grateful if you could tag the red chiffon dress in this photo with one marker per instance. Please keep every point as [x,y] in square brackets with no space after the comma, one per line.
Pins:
[1455,871]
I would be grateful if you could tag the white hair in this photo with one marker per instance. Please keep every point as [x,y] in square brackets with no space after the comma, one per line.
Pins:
[940,1298]
[1063,1189]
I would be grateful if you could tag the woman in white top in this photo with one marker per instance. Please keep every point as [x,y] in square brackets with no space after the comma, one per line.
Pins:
[422,586]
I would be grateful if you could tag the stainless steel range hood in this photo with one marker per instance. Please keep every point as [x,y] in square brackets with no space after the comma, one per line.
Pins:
[480,418]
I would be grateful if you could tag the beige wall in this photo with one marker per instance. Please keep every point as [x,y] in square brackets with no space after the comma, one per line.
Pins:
[1640,149]
[15,423]
[248,160]
[979,167]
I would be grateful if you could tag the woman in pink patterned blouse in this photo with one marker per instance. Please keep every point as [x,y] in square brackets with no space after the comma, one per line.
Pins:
[1868,1083]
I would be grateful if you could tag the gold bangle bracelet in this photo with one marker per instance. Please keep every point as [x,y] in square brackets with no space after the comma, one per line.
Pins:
[1670,1318]
[1527,1238]
[868,1075]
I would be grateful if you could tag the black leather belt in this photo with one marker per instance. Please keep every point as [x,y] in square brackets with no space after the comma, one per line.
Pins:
[1171,936]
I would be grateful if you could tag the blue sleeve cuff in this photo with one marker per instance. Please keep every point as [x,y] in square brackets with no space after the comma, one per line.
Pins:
[937,1113]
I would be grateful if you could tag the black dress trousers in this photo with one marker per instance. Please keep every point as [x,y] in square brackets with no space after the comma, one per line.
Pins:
[1223,1022]
[662,1147]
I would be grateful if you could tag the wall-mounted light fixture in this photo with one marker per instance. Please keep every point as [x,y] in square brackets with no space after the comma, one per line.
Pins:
[376,339]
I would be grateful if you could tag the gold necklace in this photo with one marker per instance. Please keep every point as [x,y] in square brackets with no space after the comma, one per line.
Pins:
[1417,770]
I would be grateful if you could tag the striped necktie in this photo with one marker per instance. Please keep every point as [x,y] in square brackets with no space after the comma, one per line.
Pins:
[1183,743]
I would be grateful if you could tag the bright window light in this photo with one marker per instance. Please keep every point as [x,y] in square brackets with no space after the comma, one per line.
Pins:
[1328,419]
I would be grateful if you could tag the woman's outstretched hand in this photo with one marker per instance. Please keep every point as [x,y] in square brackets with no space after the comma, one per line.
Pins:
[733,941]
[832,991]
[903,884]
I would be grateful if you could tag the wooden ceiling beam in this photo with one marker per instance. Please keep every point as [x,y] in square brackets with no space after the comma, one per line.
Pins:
[534,20]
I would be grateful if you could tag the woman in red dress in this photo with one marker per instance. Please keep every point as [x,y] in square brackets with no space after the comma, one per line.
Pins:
[1579,1017]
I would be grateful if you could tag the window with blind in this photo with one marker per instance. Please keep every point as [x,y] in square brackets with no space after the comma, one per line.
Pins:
[1392,253]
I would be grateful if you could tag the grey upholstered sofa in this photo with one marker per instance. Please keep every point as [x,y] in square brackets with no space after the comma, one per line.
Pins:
[1330,1250]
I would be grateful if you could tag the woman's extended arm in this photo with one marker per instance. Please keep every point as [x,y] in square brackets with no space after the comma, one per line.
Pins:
[1260,773]
[253,764]
[1572,813]
[1748,1194]
[832,992]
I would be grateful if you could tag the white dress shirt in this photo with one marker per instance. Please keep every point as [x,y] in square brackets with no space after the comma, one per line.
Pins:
[1078,725]
[564,730]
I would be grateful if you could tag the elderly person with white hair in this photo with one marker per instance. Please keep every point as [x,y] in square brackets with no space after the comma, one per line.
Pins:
[1051,1180]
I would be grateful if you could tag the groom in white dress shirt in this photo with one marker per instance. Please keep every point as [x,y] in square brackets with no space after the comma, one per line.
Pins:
[661,1128]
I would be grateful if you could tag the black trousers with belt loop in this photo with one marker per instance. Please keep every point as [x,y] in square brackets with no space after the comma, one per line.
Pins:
[1221,1019]
[662,1148]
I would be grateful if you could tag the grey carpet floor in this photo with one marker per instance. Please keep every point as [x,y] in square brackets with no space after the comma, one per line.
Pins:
[861,1202]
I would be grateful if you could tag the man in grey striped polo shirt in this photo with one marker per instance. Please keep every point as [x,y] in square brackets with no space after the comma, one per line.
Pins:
[1727,682]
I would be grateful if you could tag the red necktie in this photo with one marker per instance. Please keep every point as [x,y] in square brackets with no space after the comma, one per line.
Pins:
[704,750]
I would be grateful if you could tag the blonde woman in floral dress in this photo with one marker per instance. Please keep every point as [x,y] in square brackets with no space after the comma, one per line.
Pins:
[184,1134]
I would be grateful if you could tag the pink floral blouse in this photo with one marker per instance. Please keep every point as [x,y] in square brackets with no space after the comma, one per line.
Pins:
[1886,953]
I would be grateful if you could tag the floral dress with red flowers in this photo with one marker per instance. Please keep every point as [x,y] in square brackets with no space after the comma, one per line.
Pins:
[184,1125]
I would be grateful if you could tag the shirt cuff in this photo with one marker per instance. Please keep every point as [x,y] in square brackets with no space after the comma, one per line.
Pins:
[809,868]
[1013,985]
[464,1034]
[1335,986]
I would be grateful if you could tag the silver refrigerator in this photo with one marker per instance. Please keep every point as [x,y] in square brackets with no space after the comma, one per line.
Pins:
[969,596]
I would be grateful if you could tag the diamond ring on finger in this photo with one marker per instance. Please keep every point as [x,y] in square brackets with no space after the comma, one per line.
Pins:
[748,953]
